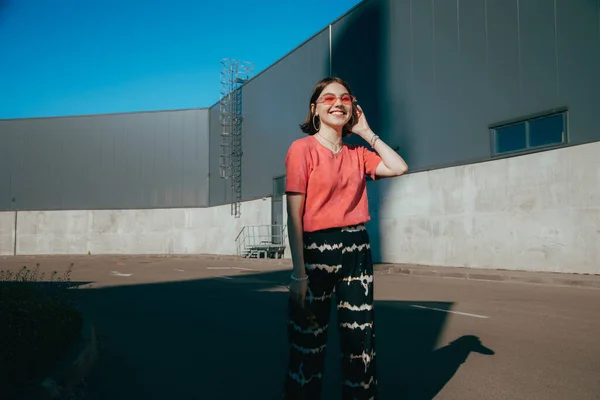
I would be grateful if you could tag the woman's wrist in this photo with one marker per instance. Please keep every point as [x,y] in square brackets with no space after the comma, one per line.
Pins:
[298,277]
[370,137]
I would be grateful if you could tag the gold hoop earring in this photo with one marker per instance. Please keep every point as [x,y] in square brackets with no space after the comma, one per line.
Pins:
[314,124]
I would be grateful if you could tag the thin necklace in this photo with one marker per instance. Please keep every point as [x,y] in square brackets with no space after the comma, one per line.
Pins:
[336,152]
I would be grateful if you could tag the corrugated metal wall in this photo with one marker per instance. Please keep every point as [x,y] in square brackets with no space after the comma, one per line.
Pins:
[432,77]
[5,169]
[219,189]
[275,103]
[437,74]
[122,161]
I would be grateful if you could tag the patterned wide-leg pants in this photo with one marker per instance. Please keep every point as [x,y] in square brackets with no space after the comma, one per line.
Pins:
[335,260]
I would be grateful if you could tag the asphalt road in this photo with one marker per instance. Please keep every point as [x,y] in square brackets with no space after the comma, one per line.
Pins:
[212,329]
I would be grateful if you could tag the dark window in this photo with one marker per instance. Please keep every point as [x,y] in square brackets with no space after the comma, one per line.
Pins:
[511,138]
[530,134]
[547,131]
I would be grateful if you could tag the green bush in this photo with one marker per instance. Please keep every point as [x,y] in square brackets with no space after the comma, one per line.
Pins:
[38,322]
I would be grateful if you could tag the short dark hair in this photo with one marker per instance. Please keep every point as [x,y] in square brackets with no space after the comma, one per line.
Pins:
[308,126]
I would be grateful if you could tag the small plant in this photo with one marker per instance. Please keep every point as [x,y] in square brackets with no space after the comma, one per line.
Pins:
[38,322]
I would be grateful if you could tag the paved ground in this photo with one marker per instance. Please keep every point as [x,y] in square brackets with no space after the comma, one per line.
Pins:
[201,328]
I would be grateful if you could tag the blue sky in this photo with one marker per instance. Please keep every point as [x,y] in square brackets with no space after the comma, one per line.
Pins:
[72,57]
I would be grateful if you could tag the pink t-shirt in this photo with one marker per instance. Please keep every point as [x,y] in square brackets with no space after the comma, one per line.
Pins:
[334,186]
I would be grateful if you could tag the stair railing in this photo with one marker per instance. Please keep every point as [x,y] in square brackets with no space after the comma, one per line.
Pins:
[261,241]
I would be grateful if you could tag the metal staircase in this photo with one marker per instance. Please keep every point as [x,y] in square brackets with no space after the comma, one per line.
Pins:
[262,241]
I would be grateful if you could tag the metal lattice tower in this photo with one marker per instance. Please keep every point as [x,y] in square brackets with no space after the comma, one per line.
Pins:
[234,73]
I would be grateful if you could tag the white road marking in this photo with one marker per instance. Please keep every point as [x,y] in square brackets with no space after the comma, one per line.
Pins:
[224,277]
[240,268]
[178,270]
[448,311]
[117,273]
[275,289]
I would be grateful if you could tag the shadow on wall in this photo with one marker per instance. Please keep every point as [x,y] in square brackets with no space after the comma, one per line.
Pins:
[360,56]
[226,339]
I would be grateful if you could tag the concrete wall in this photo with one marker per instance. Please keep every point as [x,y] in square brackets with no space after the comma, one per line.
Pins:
[157,231]
[121,161]
[538,212]
[7,233]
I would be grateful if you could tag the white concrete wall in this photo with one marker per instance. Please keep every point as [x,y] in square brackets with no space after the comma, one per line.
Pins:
[537,212]
[7,233]
[157,231]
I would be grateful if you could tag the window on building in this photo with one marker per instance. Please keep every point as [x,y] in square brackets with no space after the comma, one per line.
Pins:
[530,134]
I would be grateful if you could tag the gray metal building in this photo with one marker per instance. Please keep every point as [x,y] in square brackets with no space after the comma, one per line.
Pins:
[444,82]
[120,161]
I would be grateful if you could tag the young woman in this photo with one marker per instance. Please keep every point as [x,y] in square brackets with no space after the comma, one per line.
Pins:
[327,208]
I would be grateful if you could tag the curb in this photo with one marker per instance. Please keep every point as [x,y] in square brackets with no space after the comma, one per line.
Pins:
[581,280]
[270,261]
[493,275]
[68,373]
[540,278]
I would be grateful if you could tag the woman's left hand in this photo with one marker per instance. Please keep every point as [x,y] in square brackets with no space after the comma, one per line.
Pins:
[362,128]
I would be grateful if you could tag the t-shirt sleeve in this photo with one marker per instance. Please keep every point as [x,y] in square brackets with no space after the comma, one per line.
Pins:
[296,169]
[372,161]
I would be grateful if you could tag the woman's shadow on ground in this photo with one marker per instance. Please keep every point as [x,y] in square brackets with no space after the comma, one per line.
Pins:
[226,339]
[434,371]
[409,365]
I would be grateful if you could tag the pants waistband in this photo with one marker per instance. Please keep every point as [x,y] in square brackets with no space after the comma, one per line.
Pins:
[351,228]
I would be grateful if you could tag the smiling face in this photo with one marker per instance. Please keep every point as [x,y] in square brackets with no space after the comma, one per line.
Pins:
[334,105]
[332,101]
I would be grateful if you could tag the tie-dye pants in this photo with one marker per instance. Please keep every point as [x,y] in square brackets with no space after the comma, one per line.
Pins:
[336,260]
